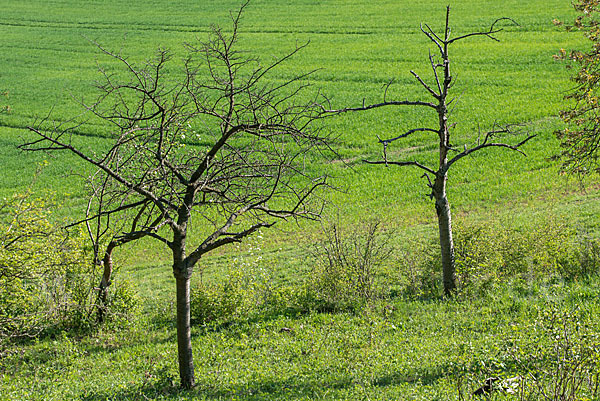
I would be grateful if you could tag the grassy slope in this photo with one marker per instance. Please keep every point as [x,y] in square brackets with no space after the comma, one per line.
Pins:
[421,351]
[357,47]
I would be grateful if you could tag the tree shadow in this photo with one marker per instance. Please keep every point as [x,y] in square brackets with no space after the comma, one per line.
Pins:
[422,376]
[166,388]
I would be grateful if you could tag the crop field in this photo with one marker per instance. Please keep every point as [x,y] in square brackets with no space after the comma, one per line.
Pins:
[413,347]
[50,63]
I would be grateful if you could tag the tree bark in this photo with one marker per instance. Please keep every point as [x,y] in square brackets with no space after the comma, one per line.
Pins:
[442,207]
[107,264]
[184,333]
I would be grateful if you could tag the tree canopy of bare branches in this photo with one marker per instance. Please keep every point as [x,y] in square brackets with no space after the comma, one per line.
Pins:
[217,145]
[440,92]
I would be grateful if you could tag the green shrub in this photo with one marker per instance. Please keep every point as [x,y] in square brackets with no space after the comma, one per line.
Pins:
[248,288]
[543,250]
[212,302]
[551,354]
[583,261]
[487,254]
[46,279]
[561,360]
[348,272]
[233,300]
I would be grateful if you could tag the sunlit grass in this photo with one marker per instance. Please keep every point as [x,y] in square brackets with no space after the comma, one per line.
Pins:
[49,63]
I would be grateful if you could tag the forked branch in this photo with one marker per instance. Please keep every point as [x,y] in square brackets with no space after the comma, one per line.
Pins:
[408,163]
[489,33]
[486,144]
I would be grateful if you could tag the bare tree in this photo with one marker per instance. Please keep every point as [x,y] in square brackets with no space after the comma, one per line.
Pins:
[214,146]
[437,176]
[108,230]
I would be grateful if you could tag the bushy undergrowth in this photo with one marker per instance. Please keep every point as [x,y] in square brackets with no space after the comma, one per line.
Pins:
[553,356]
[532,339]
[351,269]
[562,362]
[248,289]
[347,273]
[349,266]
[491,253]
[46,280]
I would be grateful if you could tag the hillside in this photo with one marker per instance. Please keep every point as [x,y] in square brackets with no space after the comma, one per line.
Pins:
[267,329]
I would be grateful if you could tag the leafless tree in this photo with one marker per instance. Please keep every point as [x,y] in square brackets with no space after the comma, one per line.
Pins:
[216,146]
[108,230]
[437,176]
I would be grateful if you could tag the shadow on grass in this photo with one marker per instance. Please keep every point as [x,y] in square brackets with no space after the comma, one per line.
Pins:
[242,323]
[166,389]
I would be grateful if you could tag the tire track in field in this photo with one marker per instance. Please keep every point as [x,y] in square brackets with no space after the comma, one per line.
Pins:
[344,30]
[76,131]
[191,28]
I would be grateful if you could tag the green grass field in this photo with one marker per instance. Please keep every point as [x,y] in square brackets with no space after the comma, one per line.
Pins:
[48,62]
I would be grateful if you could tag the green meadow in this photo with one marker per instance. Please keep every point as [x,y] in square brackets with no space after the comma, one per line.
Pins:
[413,346]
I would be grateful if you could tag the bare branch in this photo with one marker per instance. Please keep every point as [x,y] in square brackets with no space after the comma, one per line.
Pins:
[487,144]
[386,87]
[433,37]
[377,105]
[434,66]
[227,238]
[106,212]
[219,145]
[412,131]
[437,179]
[162,204]
[412,163]
[487,33]
[427,87]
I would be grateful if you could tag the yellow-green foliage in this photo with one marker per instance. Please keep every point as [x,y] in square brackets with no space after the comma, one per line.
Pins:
[545,248]
[246,288]
[580,139]
[494,252]
[350,266]
[44,274]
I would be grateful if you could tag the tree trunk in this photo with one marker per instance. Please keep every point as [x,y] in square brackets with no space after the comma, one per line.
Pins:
[442,207]
[184,333]
[107,264]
